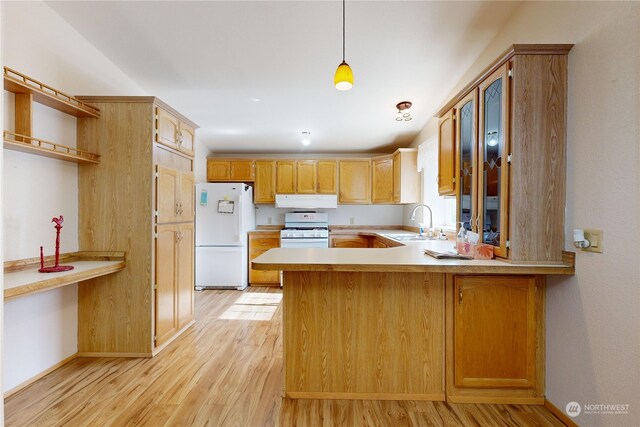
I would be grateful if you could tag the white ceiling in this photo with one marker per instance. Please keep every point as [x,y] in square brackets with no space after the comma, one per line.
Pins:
[254,75]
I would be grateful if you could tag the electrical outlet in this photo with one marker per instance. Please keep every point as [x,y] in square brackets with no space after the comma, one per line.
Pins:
[352,220]
[595,240]
[269,220]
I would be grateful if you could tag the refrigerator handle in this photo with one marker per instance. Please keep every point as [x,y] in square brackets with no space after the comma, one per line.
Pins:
[239,215]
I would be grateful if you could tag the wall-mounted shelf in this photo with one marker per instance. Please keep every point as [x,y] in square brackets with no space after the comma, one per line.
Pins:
[27,144]
[21,277]
[43,94]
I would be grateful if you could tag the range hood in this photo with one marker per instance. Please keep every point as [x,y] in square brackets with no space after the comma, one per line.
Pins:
[307,201]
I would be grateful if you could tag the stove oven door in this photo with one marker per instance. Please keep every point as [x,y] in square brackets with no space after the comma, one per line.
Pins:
[304,243]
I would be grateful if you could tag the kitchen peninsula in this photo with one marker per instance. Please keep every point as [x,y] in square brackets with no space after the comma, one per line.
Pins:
[393,323]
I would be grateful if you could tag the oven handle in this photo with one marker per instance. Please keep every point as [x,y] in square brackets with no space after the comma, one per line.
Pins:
[304,240]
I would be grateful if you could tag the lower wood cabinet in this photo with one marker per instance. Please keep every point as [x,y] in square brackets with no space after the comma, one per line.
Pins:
[496,334]
[259,243]
[174,307]
[349,241]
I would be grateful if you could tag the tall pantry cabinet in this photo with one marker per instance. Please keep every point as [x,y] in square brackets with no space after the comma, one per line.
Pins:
[140,199]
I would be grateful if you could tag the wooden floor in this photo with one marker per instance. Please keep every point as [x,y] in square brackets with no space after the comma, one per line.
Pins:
[225,371]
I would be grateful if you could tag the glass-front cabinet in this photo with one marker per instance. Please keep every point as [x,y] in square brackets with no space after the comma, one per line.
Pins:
[467,150]
[492,170]
[481,160]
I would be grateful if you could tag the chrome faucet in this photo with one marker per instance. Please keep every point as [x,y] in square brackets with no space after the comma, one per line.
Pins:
[413,217]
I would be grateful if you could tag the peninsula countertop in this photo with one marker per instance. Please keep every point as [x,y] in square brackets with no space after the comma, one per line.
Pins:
[409,256]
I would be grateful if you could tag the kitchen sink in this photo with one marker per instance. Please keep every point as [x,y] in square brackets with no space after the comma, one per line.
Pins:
[407,237]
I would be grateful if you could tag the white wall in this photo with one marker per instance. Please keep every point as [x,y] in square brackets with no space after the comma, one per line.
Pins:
[593,321]
[361,214]
[41,330]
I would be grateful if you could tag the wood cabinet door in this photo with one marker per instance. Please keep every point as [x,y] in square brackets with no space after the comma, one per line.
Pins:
[167,204]
[264,189]
[186,199]
[349,241]
[185,275]
[446,154]
[242,170]
[187,139]
[327,177]
[355,181]
[218,170]
[167,129]
[495,331]
[285,177]
[397,178]
[493,167]
[382,177]
[377,243]
[466,161]
[259,244]
[166,324]
[306,180]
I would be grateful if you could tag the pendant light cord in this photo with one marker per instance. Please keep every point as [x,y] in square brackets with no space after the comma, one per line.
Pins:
[343,30]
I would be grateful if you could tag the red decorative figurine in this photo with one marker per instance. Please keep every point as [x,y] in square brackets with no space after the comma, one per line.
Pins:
[56,267]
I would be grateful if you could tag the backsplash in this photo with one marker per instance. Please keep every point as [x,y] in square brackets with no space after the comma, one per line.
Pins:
[343,215]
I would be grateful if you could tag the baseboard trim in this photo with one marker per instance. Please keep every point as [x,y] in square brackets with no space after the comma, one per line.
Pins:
[559,414]
[437,397]
[31,380]
[113,354]
[172,339]
[513,400]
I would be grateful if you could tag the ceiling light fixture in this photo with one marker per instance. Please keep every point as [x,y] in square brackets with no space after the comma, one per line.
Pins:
[403,111]
[343,80]
[492,139]
[306,138]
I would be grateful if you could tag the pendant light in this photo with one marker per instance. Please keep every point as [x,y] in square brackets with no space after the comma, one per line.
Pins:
[343,80]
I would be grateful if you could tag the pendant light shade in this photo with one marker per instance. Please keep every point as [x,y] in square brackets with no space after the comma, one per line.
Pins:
[343,80]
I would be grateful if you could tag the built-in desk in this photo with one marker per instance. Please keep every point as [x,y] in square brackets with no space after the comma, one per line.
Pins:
[21,277]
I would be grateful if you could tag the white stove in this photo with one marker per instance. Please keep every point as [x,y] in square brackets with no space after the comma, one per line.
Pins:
[305,230]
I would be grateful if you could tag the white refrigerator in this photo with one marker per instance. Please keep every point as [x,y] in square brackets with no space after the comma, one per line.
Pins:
[224,215]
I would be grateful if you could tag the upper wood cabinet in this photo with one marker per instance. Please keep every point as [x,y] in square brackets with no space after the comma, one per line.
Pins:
[406,178]
[446,154]
[515,195]
[286,177]
[264,190]
[307,177]
[382,174]
[354,181]
[174,195]
[230,170]
[174,133]
[467,161]
[327,177]
[495,331]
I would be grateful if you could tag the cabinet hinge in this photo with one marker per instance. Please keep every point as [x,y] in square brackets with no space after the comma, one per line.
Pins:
[157,176]
[155,213]
[510,73]
[453,115]
[509,158]
[507,244]
[453,180]
[155,286]
[155,235]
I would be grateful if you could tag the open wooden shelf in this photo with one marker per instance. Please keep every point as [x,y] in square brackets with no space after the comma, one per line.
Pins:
[21,277]
[27,144]
[43,94]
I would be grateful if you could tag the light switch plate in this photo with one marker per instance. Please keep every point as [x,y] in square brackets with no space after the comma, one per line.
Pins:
[595,240]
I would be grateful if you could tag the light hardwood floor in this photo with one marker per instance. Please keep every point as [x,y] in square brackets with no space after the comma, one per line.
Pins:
[225,371]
